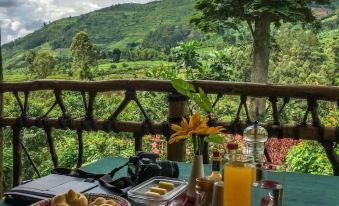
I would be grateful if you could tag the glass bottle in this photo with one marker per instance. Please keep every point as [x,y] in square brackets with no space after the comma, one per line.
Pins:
[216,160]
[204,190]
[255,137]
[267,193]
[239,174]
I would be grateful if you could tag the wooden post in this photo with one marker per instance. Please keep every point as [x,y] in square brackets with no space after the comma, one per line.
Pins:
[138,141]
[1,130]
[17,164]
[178,108]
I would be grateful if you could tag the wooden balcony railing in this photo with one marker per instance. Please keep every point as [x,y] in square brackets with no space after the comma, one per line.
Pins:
[177,107]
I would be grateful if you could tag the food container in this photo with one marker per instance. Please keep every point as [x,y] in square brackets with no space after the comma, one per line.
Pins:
[171,198]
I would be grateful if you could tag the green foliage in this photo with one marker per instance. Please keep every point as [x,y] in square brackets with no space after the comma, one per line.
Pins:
[187,57]
[216,139]
[308,157]
[113,66]
[304,58]
[165,37]
[162,72]
[200,97]
[215,14]
[142,54]
[125,65]
[83,55]
[43,64]
[116,54]
[219,65]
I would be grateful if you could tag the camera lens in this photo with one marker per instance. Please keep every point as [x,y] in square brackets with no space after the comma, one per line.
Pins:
[169,168]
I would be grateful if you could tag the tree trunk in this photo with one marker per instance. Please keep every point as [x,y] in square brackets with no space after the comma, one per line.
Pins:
[1,130]
[261,53]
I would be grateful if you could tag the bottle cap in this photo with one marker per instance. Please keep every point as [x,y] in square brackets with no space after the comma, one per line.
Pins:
[232,146]
[216,153]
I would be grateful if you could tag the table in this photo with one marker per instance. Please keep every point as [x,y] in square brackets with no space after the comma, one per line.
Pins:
[300,189]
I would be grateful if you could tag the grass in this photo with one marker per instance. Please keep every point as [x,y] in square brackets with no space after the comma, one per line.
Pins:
[124,69]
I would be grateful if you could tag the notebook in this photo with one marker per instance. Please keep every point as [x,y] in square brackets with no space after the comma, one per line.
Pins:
[49,186]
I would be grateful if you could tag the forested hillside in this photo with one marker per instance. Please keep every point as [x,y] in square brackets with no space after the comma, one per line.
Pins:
[115,26]
[119,26]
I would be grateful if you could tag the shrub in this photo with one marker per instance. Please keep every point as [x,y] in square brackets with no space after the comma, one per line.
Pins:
[113,66]
[308,157]
[125,65]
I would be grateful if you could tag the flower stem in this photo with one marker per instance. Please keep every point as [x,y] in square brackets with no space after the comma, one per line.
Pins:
[194,140]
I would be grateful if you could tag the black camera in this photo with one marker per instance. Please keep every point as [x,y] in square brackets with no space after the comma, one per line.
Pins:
[144,166]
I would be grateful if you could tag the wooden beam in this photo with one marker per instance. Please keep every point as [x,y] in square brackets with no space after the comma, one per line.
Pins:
[287,130]
[1,129]
[329,93]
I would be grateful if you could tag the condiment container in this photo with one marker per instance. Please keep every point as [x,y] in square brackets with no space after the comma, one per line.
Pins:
[218,194]
[204,190]
[173,197]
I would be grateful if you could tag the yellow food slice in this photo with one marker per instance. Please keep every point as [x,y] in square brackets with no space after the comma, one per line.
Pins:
[161,191]
[152,193]
[166,185]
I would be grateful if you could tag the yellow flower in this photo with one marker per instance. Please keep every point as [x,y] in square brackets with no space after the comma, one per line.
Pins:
[195,126]
[333,120]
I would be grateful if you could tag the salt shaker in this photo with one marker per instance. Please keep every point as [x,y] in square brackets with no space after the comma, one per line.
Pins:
[218,194]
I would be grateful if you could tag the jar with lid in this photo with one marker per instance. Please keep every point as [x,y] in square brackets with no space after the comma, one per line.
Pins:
[239,174]
[204,190]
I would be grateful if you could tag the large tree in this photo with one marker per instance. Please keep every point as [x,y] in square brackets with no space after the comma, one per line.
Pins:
[259,15]
[84,57]
[43,65]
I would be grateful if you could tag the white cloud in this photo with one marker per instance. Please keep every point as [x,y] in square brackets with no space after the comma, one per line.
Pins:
[15,25]
[20,17]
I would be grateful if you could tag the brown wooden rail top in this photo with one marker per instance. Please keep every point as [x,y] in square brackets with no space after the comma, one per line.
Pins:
[329,93]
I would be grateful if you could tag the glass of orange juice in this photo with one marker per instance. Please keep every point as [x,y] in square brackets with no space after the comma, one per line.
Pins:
[239,175]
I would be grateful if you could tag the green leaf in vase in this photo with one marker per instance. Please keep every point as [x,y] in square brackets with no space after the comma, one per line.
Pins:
[214,138]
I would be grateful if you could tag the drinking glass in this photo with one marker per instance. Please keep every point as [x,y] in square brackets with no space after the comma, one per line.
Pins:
[267,193]
[239,174]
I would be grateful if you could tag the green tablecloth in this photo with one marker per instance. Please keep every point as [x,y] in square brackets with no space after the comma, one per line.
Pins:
[300,189]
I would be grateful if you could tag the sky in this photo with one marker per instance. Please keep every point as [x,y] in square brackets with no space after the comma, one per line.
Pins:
[21,17]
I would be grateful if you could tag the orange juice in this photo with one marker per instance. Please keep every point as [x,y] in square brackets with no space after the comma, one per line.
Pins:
[238,179]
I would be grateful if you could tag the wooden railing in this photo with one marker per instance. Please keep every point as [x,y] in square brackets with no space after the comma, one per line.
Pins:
[177,108]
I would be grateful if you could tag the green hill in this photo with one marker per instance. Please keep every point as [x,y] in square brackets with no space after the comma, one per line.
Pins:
[111,27]
[117,27]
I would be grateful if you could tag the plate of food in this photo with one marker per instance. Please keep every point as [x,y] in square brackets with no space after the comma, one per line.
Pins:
[73,198]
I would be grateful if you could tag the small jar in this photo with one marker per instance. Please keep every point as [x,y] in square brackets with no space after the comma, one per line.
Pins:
[204,190]
[267,193]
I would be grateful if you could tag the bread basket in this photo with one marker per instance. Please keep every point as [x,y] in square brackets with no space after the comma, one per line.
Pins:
[91,198]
